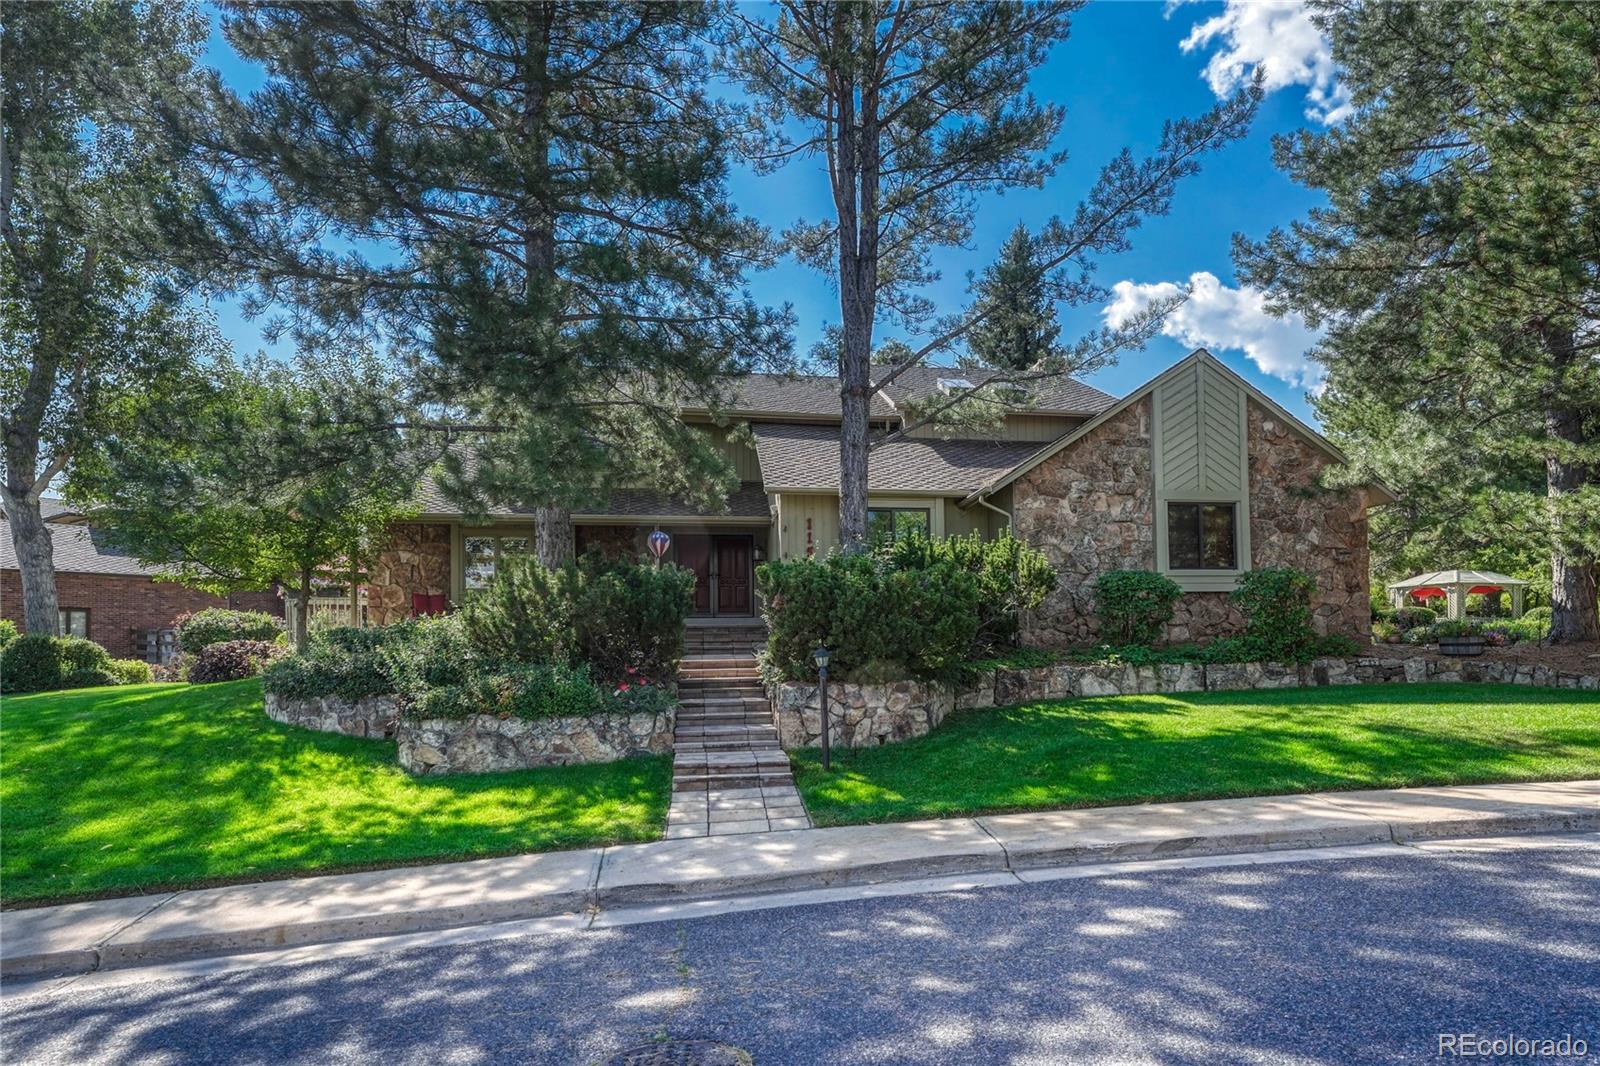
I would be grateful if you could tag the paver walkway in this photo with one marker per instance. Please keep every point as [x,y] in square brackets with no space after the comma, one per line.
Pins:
[729,775]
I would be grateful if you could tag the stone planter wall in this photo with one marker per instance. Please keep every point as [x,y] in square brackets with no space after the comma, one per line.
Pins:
[370,716]
[484,743]
[867,715]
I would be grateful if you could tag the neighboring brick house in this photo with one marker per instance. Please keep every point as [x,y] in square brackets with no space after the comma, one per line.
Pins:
[109,596]
[1196,474]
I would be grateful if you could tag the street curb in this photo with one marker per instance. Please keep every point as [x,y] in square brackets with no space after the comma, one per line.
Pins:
[79,938]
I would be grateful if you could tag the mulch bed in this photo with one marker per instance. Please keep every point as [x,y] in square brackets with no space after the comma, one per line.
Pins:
[1582,658]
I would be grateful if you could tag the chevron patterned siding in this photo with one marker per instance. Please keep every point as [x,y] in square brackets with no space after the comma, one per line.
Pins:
[1202,435]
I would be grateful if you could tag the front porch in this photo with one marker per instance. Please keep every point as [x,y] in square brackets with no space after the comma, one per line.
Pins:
[722,553]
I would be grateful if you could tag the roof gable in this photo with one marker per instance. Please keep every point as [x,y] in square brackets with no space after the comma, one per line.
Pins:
[1211,364]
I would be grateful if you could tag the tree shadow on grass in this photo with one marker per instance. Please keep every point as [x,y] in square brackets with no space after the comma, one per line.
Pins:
[1134,749]
[116,791]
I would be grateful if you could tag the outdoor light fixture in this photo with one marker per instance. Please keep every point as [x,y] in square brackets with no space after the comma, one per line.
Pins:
[658,543]
[821,658]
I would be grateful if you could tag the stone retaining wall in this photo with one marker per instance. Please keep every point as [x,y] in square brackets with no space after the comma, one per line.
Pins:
[868,715]
[370,716]
[484,743]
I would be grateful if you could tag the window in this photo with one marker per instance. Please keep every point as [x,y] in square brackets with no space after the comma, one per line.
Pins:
[1202,536]
[73,622]
[483,553]
[892,523]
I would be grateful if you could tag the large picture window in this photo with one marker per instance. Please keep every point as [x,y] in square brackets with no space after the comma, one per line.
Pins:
[1202,536]
[483,554]
[892,523]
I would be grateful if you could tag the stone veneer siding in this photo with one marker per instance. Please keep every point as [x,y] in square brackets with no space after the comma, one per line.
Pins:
[416,561]
[1091,508]
[486,743]
[369,716]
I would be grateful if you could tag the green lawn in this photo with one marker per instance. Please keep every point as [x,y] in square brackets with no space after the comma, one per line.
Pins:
[123,790]
[1131,749]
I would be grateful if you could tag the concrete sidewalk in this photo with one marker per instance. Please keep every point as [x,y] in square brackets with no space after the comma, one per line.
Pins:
[106,934]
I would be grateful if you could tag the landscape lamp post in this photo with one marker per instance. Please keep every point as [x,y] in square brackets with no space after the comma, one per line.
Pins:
[821,657]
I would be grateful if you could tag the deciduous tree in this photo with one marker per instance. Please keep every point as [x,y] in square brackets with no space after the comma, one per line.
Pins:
[91,328]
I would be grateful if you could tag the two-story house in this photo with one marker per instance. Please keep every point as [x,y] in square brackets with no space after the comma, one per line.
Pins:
[1196,474]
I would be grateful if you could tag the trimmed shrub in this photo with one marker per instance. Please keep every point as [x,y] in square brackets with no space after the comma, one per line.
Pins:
[230,660]
[130,671]
[1012,577]
[526,690]
[609,614]
[217,625]
[1135,605]
[1276,602]
[526,613]
[36,662]
[878,621]
[341,661]
[8,633]
[628,618]
[1411,617]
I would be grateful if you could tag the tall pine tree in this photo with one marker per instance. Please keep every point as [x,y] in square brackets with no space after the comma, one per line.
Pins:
[530,200]
[917,108]
[1457,266]
[93,330]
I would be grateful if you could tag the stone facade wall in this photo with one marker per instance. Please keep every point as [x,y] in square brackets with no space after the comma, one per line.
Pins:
[416,561]
[863,716]
[370,716]
[868,715]
[1293,523]
[486,743]
[1091,508]
[613,542]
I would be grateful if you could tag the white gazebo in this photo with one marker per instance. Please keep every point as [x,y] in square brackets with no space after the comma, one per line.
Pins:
[1453,586]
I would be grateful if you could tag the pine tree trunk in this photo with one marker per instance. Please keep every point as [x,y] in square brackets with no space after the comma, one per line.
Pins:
[856,199]
[1574,615]
[553,536]
[30,539]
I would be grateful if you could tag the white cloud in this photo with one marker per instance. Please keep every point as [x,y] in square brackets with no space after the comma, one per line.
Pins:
[1217,317]
[1279,38]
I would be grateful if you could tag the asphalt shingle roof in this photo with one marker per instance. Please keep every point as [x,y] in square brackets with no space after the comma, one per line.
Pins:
[52,509]
[82,550]
[1055,396]
[817,396]
[807,457]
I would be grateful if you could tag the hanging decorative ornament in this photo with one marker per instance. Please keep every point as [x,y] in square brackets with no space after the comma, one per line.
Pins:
[659,542]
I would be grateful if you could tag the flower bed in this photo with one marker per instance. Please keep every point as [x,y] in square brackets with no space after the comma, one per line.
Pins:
[869,715]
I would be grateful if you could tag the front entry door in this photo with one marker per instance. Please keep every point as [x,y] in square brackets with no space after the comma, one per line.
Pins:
[721,566]
[733,575]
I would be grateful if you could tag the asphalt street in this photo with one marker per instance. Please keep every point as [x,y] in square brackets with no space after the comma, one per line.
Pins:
[1347,961]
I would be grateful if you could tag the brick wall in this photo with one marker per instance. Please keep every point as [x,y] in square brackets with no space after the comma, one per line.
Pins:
[121,607]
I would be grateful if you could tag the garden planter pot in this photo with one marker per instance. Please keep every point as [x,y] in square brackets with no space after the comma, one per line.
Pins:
[1461,645]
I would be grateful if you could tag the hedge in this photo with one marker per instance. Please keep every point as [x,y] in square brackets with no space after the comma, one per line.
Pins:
[876,619]
[216,625]
[36,662]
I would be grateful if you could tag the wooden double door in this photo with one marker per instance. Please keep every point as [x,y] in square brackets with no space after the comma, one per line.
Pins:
[723,576]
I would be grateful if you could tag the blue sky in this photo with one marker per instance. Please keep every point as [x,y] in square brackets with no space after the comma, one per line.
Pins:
[1124,71]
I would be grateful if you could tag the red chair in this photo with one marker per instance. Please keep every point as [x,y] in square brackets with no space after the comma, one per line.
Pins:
[423,605]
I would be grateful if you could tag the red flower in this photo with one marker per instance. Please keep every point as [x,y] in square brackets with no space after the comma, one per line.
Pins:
[623,687]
